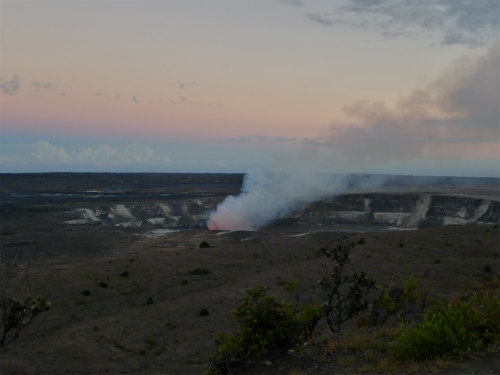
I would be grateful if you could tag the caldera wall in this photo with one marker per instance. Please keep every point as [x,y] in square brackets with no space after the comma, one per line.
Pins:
[400,210]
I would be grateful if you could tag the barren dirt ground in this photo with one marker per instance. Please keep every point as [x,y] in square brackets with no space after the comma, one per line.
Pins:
[147,318]
[123,303]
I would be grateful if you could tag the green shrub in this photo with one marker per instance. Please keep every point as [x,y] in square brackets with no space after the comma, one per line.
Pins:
[203,312]
[86,292]
[361,241]
[200,271]
[124,274]
[265,323]
[231,351]
[489,302]
[17,314]
[450,330]
[411,290]
[204,245]
[295,290]
[453,328]
[103,284]
[388,303]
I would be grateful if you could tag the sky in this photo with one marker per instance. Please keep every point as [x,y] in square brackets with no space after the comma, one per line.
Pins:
[347,86]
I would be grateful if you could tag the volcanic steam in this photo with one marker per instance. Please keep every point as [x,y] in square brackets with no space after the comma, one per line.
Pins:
[266,197]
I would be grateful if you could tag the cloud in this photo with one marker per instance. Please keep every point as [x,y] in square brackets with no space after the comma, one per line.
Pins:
[43,85]
[32,154]
[44,154]
[466,22]
[10,87]
[260,138]
[454,115]
[320,18]
[295,3]
[105,155]
[186,85]
[48,153]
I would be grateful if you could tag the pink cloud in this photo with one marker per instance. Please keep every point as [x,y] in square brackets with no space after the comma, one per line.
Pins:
[457,114]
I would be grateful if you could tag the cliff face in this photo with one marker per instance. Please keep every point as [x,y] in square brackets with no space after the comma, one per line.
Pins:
[169,214]
[400,210]
[410,210]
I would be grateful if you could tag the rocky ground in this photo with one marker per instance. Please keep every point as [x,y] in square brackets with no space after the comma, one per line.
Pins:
[146,318]
[123,302]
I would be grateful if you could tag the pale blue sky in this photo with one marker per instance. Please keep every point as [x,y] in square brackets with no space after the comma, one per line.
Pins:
[394,86]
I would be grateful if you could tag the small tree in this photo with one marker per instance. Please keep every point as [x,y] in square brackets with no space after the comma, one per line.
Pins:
[344,295]
[204,245]
[15,314]
[265,323]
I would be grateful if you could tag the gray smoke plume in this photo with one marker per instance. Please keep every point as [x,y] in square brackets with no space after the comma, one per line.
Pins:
[266,197]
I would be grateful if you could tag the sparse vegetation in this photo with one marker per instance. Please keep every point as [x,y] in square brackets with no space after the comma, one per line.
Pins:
[451,328]
[16,314]
[388,303]
[203,312]
[454,327]
[200,271]
[265,323]
[344,295]
[395,299]
[151,342]
[411,292]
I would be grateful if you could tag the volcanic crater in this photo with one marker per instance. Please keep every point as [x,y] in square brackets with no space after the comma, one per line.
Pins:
[140,235]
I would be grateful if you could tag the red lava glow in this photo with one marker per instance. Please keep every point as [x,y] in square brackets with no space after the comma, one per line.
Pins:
[226,224]
[215,225]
